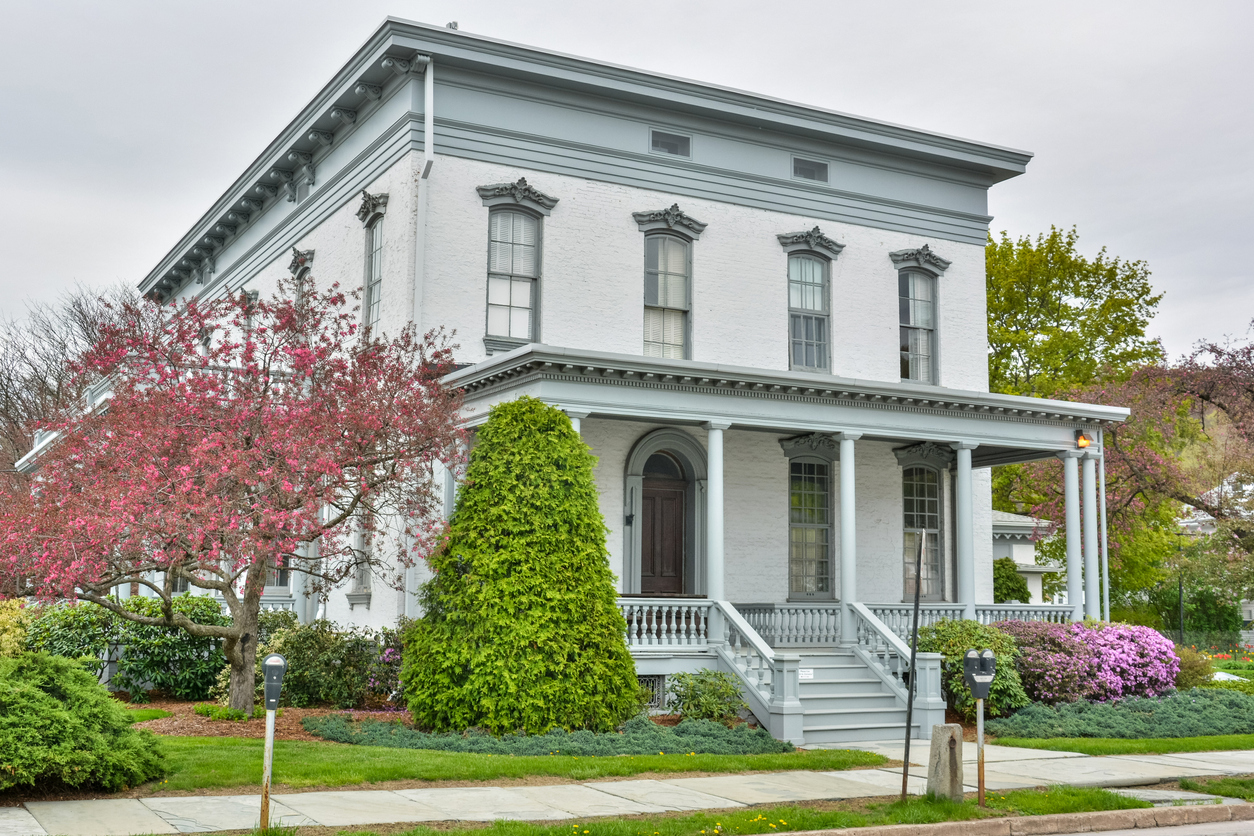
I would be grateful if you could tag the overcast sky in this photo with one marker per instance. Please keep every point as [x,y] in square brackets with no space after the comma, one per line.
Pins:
[121,122]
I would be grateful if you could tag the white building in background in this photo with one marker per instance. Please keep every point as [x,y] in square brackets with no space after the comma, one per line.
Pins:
[766,319]
[1012,538]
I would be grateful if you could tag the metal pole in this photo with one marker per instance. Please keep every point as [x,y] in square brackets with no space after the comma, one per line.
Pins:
[1101,485]
[267,763]
[1182,607]
[979,748]
[914,644]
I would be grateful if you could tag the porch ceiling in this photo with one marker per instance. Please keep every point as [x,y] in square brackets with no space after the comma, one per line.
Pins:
[621,386]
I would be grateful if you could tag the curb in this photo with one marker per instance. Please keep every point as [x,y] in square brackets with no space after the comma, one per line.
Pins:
[1058,823]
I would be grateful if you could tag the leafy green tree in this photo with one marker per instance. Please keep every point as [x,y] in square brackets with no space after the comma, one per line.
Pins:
[520,628]
[1008,584]
[1056,320]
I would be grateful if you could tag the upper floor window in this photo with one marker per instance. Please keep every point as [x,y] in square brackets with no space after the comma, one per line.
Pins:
[803,169]
[373,207]
[920,492]
[809,529]
[513,273]
[808,322]
[917,305]
[667,268]
[278,575]
[665,142]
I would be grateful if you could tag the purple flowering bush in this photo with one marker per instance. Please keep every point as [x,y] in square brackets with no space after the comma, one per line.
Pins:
[1061,663]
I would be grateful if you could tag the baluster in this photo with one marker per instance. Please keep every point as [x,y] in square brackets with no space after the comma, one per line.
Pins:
[668,624]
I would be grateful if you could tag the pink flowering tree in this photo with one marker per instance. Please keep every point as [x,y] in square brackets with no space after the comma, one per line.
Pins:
[241,435]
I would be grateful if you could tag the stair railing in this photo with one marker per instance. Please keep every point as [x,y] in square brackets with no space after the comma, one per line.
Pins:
[888,657]
[769,680]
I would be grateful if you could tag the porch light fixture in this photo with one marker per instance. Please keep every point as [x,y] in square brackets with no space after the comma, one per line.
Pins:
[1082,440]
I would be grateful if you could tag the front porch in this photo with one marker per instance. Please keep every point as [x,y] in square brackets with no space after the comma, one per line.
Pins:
[802,495]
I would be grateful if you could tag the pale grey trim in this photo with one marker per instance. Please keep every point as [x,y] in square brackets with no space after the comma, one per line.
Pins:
[926,453]
[500,345]
[373,206]
[519,193]
[921,258]
[820,446]
[812,240]
[692,456]
[672,219]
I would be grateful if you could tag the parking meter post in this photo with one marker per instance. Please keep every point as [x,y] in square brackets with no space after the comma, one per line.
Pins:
[274,667]
[979,749]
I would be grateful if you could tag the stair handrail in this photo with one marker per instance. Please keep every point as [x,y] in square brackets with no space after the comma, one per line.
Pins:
[882,649]
[769,679]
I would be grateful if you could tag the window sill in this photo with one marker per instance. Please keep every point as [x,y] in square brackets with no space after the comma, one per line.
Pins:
[500,345]
[355,598]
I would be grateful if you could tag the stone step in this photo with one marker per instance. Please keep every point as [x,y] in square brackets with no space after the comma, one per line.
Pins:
[856,732]
[847,701]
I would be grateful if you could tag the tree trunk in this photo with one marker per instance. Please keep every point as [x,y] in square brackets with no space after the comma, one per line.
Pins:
[243,676]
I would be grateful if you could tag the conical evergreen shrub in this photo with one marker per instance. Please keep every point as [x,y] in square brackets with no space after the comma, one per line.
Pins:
[521,631]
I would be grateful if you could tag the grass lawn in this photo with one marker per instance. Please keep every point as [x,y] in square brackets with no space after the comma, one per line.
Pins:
[140,715]
[1119,746]
[794,818]
[208,762]
[1230,787]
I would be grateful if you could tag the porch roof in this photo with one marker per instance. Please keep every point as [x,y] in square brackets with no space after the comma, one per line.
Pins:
[606,385]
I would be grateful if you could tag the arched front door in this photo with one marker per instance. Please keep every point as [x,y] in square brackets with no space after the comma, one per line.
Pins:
[664,520]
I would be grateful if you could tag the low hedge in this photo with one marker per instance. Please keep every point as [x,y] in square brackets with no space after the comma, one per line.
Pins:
[59,726]
[640,736]
[1196,713]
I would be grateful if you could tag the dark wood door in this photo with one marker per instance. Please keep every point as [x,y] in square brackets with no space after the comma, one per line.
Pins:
[662,537]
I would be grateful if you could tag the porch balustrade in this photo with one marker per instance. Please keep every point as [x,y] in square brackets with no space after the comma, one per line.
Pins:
[794,625]
[898,617]
[992,613]
[666,622]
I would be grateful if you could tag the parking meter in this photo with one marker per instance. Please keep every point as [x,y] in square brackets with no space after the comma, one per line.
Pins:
[978,670]
[274,666]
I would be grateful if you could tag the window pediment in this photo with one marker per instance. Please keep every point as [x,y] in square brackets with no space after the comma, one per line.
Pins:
[920,259]
[520,193]
[809,241]
[671,219]
[372,206]
[813,445]
[925,453]
[300,260]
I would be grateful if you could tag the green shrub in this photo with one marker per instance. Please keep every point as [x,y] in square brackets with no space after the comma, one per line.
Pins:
[325,664]
[1008,584]
[169,660]
[640,736]
[952,639]
[705,695]
[1196,670]
[1202,711]
[270,622]
[521,628]
[14,616]
[1243,686]
[235,715]
[75,631]
[59,726]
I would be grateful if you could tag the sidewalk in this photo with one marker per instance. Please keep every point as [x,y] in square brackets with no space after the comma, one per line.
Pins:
[1005,768]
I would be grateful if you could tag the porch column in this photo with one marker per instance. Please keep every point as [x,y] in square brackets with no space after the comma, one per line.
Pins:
[848,537]
[714,510]
[575,415]
[964,528]
[1071,493]
[1092,588]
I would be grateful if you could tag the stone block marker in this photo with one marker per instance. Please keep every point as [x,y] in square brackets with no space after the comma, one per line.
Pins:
[944,765]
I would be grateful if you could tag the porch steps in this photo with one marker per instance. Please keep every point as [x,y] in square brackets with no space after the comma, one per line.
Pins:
[845,702]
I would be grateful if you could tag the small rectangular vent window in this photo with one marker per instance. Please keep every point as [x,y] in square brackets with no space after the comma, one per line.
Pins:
[809,170]
[662,142]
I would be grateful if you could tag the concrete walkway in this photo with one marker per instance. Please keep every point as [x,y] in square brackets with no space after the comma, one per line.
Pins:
[1005,768]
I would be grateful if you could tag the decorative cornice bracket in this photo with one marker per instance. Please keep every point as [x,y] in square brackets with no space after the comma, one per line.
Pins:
[373,92]
[348,117]
[921,259]
[812,240]
[672,219]
[323,138]
[372,205]
[521,193]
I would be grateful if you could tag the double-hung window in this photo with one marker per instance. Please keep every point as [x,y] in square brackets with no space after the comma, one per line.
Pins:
[513,271]
[809,529]
[808,320]
[667,269]
[916,293]
[374,273]
[920,491]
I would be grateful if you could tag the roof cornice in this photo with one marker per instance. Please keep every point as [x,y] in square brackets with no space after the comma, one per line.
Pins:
[401,47]
[745,381]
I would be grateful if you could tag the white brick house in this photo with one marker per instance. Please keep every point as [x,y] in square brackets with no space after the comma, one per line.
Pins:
[767,320]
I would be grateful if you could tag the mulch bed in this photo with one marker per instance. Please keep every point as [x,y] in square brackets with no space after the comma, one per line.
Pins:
[287,726]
